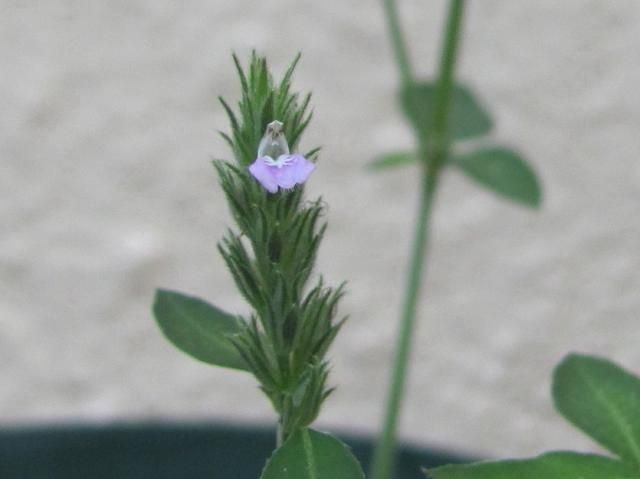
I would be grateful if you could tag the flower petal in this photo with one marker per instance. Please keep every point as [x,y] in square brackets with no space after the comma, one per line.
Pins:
[285,173]
[302,168]
[264,174]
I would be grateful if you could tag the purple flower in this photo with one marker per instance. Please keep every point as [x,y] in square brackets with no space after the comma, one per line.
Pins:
[284,172]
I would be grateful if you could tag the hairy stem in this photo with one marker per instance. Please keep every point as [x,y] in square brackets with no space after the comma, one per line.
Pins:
[433,152]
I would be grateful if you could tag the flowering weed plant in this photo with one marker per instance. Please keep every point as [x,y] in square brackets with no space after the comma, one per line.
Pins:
[271,253]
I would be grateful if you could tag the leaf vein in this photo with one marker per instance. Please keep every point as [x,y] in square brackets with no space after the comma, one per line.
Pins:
[308,451]
[616,415]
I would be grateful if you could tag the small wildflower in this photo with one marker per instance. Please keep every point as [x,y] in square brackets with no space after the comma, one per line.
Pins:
[275,166]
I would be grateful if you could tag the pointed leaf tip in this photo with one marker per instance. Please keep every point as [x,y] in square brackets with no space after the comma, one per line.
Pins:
[197,328]
[603,400]
[393,160]
[468,119]
[502,171]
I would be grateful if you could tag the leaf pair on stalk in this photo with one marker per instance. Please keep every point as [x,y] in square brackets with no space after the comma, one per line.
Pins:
[497,168]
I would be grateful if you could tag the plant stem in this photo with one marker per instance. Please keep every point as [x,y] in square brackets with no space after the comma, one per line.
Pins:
[434,154]
[397,41]
[283,428]
[445,82]
[385,449]
[279,434]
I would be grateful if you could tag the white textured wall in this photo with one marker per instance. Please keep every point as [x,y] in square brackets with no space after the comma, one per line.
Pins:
[108,120]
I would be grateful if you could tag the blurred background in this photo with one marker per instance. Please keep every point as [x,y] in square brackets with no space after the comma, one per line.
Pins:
[108,124]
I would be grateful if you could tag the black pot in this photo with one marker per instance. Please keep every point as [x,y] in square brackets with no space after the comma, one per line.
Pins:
[165,451]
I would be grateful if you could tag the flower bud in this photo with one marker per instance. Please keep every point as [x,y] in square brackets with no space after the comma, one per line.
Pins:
[273,143]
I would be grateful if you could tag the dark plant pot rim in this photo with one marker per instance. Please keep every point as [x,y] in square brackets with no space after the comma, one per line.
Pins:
[168,450]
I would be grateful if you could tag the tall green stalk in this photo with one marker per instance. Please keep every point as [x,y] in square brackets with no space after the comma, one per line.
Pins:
[397,41]
[433,149]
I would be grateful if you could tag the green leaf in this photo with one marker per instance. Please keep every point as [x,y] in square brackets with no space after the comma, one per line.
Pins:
[553,465]
[198,328]
[309,454]
[392,160]
[601,399]
[502,171]
[467,119]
